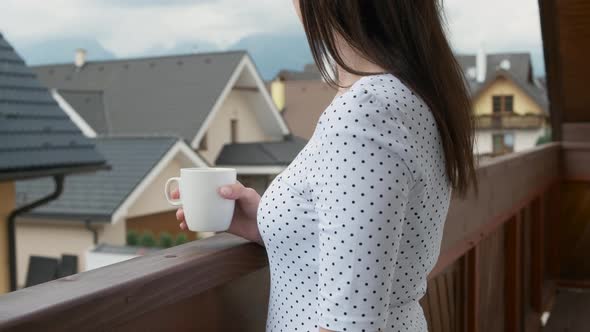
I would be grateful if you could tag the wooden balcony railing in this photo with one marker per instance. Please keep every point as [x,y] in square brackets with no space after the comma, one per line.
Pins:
[496,271]
[509,121]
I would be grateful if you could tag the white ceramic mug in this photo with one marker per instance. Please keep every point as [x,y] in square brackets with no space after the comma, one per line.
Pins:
[205,210]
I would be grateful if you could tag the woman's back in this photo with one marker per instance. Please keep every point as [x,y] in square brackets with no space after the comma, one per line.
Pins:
[353,225]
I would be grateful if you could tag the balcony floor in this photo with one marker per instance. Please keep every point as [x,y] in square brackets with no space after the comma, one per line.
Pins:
[571,311]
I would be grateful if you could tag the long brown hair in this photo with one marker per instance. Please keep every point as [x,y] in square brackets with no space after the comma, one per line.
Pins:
[406,38]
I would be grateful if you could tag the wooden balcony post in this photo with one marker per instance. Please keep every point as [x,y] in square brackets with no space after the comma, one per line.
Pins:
[472,284]
[513,274]
[537,253]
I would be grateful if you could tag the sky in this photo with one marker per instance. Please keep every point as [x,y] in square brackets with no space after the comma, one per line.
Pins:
[128,28]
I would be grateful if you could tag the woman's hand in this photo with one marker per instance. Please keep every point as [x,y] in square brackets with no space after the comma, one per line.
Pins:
[244,219]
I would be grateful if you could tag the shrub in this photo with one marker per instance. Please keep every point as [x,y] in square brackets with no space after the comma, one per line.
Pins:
[166,240]
[546,138]
[147,239]
[132,238]
[180,239]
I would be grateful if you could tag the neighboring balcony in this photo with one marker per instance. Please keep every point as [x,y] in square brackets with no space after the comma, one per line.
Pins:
[509,120]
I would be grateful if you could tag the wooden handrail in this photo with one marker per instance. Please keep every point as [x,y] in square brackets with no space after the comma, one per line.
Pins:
[114,294]
[119,293]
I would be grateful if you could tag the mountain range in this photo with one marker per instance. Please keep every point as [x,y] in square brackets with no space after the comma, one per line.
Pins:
[271,52]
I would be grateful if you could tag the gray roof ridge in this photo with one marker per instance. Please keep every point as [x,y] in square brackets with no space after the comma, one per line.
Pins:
[144,58]
[138,136]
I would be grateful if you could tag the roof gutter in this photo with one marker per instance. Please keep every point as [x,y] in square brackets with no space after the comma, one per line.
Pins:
[59,181]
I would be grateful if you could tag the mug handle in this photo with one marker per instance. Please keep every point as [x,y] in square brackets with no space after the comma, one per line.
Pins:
[175,202]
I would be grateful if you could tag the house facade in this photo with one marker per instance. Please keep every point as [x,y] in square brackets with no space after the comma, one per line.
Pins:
[37,140]
[211,100]
[301,96]
[510,106]
[100,208]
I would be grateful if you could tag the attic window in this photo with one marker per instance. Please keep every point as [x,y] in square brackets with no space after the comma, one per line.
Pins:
[502,104]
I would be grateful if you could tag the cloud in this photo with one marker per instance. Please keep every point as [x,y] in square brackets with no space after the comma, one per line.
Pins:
[137,26]
[132,27]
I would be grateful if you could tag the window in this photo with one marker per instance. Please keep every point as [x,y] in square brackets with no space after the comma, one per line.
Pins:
[497,104]
[234,130]
[503,143]
[508,103]
[203,142]
[503,103]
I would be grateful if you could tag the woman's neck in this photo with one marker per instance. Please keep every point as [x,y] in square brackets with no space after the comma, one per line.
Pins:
[355,61]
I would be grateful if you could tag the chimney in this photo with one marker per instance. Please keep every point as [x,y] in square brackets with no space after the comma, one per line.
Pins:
[481,64]
[80,58]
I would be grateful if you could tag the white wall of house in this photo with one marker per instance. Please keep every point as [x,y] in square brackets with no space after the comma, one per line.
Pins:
[523,139]
[483,142]
[95,260]
[526,139]
[53,238]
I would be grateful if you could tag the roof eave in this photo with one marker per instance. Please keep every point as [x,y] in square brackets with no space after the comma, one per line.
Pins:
[30,173]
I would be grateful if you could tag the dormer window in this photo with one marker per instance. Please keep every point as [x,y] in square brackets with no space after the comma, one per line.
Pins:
[502,104]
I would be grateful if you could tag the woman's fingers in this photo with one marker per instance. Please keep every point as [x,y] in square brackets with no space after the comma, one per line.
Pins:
[180,217]
[180,214]
[175,194]
[238,191]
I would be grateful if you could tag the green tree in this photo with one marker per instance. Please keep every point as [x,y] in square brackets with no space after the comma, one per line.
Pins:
[147,239]
[180,239]
[132,238]
[166,240]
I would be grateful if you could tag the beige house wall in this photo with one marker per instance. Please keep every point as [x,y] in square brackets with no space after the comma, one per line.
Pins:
[115,234]
[53,238]
[523,104]
[7,205]
[235,106]
[152,199]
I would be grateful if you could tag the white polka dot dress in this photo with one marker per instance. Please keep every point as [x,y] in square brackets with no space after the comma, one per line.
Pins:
[353,225]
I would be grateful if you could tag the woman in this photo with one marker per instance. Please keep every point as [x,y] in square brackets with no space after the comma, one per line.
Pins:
[353,225]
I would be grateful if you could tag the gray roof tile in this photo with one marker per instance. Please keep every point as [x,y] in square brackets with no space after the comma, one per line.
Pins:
[99,194]
[35,134]
[261,153]
[169,95]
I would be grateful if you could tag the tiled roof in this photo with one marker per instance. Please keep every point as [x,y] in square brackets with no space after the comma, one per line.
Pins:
[36,136]
[170,95]
[96,196]
[261,153]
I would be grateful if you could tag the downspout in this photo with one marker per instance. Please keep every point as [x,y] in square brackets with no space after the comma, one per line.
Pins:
[59,181]
[94,232]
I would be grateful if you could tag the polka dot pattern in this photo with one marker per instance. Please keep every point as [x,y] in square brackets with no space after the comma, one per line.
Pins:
[353,225]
